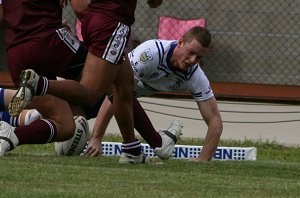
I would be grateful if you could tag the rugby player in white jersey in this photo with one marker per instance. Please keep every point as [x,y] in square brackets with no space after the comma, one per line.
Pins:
[168,66]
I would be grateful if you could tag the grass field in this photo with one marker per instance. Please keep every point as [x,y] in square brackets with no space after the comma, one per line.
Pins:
[35,171]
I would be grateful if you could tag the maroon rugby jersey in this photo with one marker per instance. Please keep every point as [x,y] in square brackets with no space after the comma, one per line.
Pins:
[28,19]
[122,10]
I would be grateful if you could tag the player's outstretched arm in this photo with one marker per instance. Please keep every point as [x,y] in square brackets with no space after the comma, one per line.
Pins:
[211,115]
[104,116]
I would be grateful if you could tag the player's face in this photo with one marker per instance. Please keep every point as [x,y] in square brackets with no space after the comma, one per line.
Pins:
[189,54]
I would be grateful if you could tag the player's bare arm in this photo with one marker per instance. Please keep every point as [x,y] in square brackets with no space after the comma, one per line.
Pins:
[102,120]
[211,115]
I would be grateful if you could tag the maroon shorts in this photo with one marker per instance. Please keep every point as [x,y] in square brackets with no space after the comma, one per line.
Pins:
[105,36]
[48,55]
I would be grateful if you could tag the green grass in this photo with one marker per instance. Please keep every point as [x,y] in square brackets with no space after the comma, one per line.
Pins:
[35,171]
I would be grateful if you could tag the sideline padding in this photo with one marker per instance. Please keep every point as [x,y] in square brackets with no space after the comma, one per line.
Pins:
[187,151]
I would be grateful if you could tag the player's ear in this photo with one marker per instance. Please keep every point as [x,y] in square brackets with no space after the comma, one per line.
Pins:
[180,42]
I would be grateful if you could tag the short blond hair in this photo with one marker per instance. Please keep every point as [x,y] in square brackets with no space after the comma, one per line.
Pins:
[201,34]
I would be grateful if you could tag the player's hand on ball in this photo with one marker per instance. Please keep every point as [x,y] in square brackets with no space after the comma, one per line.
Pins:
[94,148]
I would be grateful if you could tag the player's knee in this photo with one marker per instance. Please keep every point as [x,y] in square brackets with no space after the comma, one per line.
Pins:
[65,130]
[123,92]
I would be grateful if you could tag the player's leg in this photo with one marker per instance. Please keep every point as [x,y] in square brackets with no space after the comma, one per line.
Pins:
[122,106]
[113,52]
[24,118]
[99,84]
[144,126]
[59,114]
[98,72]
[5,97]
[163,142]
[97,76]
[57,127]
[4,115]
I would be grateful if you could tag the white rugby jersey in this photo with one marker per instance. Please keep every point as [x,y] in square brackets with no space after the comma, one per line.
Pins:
[152,69]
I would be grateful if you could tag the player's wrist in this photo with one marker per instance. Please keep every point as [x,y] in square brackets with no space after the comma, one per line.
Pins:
[96,137]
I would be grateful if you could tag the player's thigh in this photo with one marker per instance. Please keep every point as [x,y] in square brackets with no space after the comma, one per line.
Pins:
[98,75]
[106,39]
[8,94]
[59,112]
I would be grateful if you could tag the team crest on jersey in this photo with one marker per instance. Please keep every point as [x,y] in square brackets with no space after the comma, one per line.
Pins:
[146,56]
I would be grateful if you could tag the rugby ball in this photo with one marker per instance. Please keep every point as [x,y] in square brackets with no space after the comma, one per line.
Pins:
[75,145]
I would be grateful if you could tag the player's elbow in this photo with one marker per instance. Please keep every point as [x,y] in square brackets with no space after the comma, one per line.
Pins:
[217,124]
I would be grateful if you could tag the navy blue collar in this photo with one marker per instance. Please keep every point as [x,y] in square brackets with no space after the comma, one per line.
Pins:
[169,55]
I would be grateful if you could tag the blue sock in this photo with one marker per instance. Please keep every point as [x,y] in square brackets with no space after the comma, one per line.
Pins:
[6,117]
[2,108]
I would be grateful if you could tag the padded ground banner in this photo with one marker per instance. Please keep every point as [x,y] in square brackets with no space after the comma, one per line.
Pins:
[186,151]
